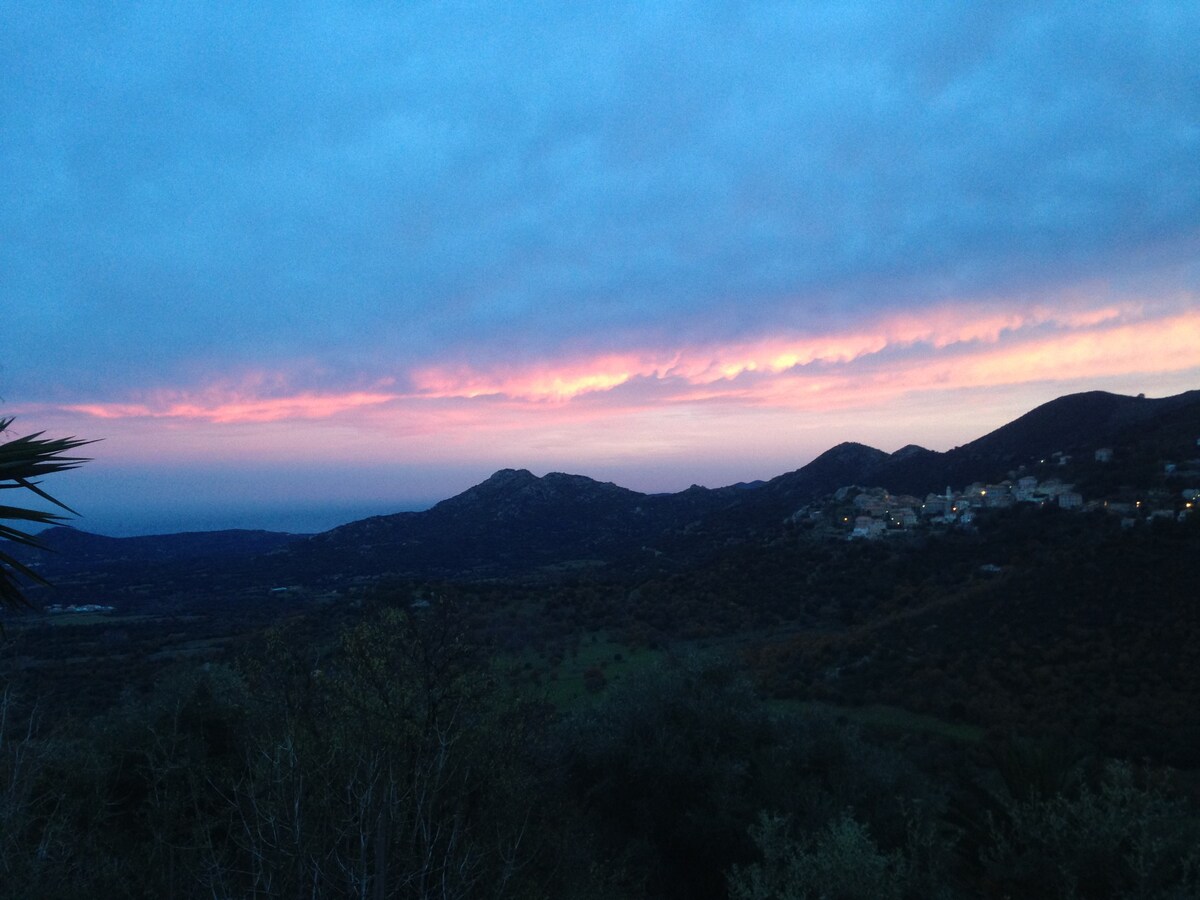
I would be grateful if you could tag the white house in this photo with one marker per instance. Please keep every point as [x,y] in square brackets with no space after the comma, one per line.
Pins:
[867,527]
[1070,500]
[1026,487]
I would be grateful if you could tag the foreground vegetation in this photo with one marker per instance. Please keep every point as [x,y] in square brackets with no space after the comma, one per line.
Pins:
[399,758]
[763,712]
[702,696]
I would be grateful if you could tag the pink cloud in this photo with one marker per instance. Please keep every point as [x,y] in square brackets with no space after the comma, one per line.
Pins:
[1107,350]
[237,409]
[719,367]
[666,403]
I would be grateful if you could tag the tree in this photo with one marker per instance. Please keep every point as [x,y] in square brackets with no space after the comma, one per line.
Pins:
[21,461]
[391,766]
[842,862]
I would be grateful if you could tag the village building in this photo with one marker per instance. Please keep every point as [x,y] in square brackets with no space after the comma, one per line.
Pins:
[974,493]
[1052,487]
[867,527]
[1070,500]
[59,609]
[935,505]
[873,501]
[876,511]
[999,496]
[1025,488]
[1104,454]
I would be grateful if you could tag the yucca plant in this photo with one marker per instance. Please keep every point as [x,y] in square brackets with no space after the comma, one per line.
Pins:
[21,461]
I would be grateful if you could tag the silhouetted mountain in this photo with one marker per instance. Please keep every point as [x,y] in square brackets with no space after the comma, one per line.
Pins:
[847,463]
[843,464]
[1077,421]
[512,494]
[515,521]
[1072,424]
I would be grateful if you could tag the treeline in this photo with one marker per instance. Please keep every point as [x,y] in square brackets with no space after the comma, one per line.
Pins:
[394,762]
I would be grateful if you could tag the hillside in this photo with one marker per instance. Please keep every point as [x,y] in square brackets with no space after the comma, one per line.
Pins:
[516,522]
[1074,424]
[632,681]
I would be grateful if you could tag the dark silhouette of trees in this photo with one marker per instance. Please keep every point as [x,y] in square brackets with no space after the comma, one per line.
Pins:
[22,460]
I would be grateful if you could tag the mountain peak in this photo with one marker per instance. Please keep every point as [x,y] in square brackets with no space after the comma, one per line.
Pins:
[509,476]
[849,453]
[847,463]
[513,490]
[1075,421]
[500,484]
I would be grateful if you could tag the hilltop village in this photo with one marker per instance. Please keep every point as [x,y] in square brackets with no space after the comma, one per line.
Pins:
[874,512]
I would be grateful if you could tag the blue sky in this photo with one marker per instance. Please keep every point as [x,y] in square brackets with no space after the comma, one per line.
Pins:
[408,244]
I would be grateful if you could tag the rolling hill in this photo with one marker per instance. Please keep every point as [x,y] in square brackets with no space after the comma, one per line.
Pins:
[516,521]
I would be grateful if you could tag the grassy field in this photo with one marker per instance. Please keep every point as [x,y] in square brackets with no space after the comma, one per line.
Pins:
[562,676]
[890,718]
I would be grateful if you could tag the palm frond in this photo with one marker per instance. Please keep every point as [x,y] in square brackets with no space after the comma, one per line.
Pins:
[22,460]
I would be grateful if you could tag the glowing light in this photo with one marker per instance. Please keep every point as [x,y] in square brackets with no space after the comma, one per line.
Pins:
[962,348]
[724,396]
[232,410]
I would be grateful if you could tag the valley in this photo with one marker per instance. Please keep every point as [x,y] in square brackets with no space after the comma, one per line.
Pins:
[997,647]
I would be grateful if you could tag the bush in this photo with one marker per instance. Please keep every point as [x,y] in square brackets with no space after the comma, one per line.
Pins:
[841,862]
[1117,840]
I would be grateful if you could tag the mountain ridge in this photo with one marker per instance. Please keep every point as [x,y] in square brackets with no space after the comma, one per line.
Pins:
[516,520]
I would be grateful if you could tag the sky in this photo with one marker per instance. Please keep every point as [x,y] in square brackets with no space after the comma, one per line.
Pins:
[296,263]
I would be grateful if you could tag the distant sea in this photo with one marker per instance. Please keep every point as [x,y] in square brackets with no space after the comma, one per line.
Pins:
[293,520]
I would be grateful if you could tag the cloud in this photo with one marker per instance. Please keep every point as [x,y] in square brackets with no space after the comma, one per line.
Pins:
[677,241]
[945,330]
[237,409]
[954,346]
[375,190]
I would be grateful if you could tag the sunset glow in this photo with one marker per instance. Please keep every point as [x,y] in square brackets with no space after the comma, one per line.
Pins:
[695,264]
[298,407]
[1087,343]
[944,353]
